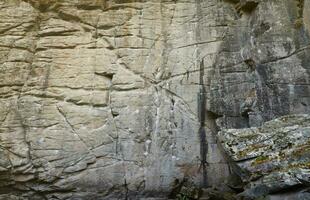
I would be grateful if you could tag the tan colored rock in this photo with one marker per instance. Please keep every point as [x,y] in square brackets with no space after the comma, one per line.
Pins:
[110,99]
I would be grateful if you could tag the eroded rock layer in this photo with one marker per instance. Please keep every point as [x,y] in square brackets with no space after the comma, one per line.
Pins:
[105,99]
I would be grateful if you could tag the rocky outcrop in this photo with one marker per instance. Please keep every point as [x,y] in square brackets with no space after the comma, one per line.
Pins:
[274,158]
[99,98]
[103,99]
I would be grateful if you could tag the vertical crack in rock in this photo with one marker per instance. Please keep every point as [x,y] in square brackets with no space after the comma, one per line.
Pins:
[300,5]
[202,131]
[126,189]
[118,148]
[300,9]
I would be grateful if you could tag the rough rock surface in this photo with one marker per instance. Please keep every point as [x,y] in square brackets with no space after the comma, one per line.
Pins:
[274,157]
[103,99]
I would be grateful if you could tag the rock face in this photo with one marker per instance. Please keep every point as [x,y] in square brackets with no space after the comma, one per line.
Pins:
[104,99]
[273,157]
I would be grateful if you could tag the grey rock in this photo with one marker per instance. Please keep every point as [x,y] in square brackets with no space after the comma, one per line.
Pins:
[272,158]
[119,99]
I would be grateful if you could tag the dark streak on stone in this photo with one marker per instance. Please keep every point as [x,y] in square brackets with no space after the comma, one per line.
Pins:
[201,117]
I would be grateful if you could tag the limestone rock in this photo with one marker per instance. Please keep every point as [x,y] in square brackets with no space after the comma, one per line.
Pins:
[116,99]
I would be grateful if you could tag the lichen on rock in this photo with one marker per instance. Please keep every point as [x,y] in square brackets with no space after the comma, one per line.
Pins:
[119,99]
[275,157]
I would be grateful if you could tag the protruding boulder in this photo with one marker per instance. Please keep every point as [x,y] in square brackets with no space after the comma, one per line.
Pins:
[273,157]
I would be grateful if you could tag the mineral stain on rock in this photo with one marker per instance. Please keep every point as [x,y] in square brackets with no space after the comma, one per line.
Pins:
[134,99]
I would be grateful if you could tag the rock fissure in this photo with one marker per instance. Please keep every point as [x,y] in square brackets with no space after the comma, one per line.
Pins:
[202,118]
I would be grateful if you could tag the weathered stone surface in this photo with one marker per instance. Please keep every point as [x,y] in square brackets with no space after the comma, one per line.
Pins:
[103,99]
[262,69]
[273,157]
